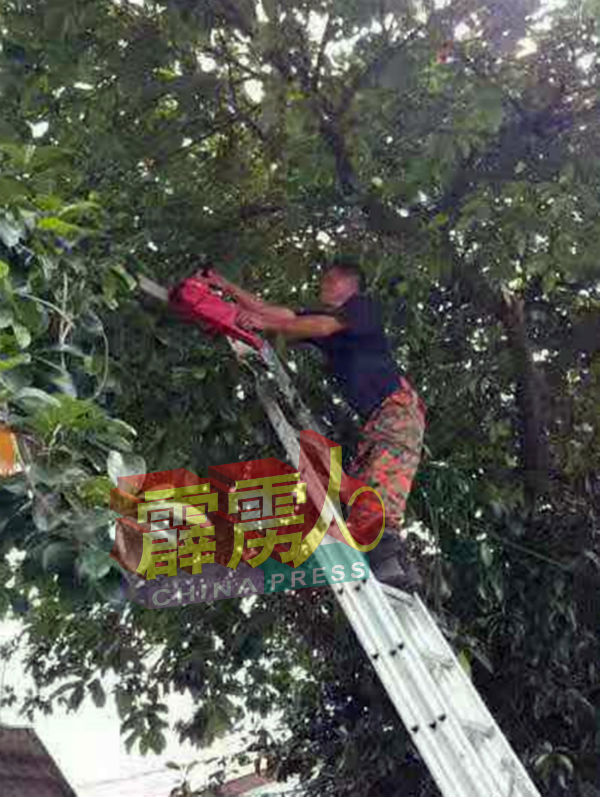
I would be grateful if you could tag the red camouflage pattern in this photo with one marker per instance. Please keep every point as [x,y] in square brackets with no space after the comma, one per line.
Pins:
[388,456]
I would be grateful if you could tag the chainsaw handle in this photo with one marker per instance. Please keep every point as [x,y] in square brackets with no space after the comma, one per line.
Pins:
[213,280]
[203,273]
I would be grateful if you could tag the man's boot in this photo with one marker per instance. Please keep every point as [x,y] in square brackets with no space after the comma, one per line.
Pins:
[390,564]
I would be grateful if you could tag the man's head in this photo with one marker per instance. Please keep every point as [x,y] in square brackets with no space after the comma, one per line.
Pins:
[341,280]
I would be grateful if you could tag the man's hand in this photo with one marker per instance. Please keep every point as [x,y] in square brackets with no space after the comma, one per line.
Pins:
[290,325]
[216,280]
[256,312]
[250,321]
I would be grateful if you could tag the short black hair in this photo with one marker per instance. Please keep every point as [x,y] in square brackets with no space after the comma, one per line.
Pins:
[348,267]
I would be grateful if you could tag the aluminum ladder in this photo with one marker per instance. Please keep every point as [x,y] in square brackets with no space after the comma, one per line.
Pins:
[458,739]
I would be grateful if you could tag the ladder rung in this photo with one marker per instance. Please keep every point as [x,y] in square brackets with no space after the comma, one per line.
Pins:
[396,594]
[518,778]
[439,660]
[478,729]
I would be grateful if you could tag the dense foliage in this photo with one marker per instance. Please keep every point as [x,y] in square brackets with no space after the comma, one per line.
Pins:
[453,149]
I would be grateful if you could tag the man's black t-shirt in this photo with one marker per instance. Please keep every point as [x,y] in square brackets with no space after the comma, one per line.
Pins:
[359,357]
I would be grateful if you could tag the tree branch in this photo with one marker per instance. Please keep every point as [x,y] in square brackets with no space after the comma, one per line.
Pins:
[509,310]
[321,54]
[374,70]
[530,395]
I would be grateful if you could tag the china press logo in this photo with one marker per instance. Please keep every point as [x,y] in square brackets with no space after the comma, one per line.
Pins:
[249,528]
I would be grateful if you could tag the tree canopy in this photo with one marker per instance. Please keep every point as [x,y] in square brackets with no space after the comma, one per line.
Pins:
[452,149]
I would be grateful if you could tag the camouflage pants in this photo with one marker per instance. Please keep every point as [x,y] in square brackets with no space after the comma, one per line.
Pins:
[388,455]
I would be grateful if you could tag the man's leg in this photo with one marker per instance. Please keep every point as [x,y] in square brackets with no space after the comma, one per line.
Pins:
[388,457]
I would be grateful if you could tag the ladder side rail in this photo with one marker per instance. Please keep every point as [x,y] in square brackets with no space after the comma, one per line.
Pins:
[284,382]
[153,289]
[384,646]
[447,721]
[460,693]
[438,759]
[370,642]
[442,744]
[287,435]
[448,675]
[513,761]
[362,621]
[373,602]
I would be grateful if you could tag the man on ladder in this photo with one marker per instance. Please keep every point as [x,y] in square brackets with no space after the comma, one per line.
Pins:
[463,747]
[349,331]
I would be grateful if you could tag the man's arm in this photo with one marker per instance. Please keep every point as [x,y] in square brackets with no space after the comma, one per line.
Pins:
[295,327]
[257,314]
[250,302]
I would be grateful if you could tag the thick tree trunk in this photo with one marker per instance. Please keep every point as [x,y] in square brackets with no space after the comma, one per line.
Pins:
[531,400]
[382,219]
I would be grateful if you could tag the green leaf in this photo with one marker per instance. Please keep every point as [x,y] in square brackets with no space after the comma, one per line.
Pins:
[48,157]
[271,8]
[566,762]
[91,323]
[60,227]
[57,477]
[10,234]
[487,554]
[64,688]
[119,465]
[64,382]
[47,514]
[124,703]
[496,582]
[8,363]
[463,660]
[98,693]
[120,425]
[440,220]
[77,696]
[80,210]
[394,75]
[6,317]
[18,153]
[94,564]
[11,189]
[157,742]
[126,277]
[49,203]
[59,557]
[4,269]
[95,491]
[130,741]
[22,335]
[33,399]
